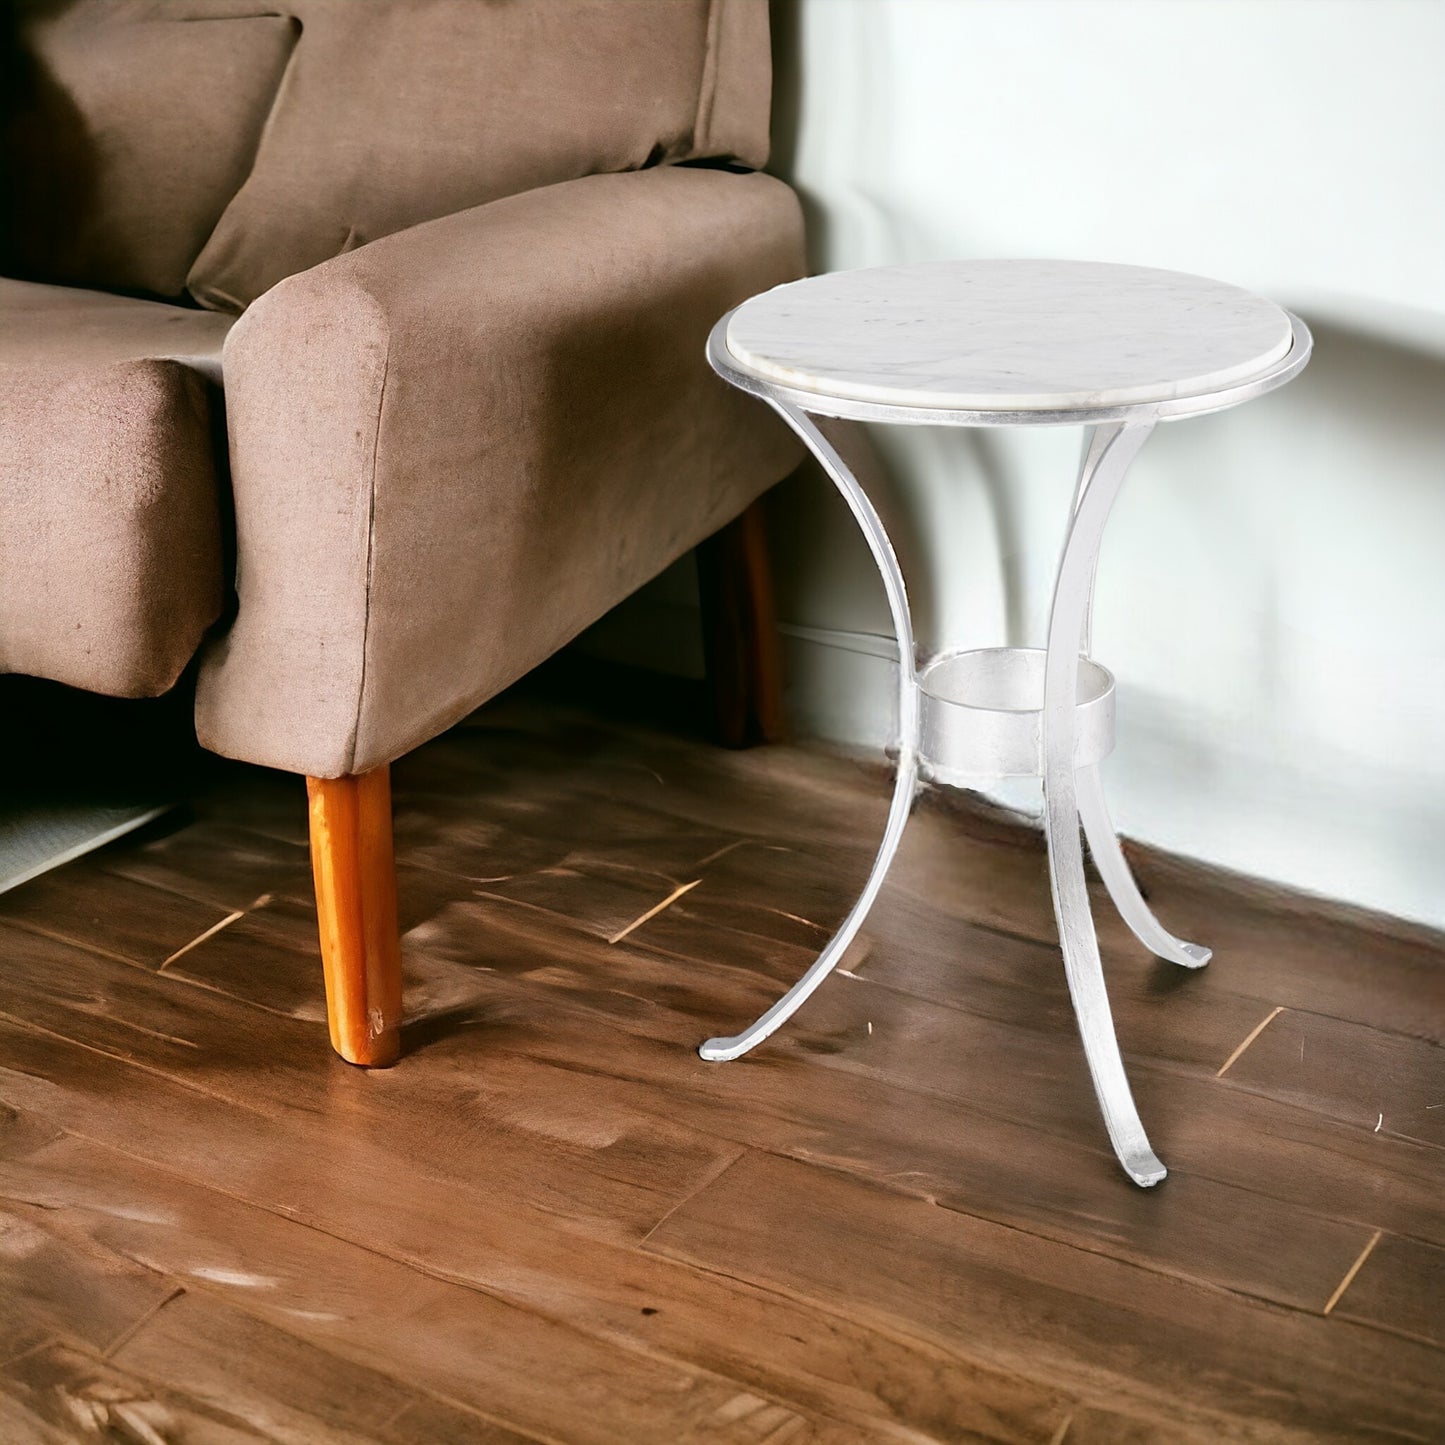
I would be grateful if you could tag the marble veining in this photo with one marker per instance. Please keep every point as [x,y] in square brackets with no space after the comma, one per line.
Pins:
[1009,335]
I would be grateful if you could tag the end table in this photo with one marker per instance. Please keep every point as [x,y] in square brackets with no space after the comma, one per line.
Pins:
[1115,349]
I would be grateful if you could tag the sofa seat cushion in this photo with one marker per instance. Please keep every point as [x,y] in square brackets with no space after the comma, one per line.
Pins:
[110,512]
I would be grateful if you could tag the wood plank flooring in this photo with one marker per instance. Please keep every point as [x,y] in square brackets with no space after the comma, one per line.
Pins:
[899,1220]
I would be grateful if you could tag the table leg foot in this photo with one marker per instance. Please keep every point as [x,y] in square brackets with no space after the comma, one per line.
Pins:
[1119,878]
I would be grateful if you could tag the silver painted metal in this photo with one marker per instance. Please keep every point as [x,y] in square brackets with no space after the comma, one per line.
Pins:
[724,1048]
[1119,879]
[1093,810]
[966,713]
[1088,460]
[1098,486]
[981,715]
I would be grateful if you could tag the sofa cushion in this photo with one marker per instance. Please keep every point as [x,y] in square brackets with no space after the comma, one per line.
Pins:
[399,111]
[128,128]
[110,533]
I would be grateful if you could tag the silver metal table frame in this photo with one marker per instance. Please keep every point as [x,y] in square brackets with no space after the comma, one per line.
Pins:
[1073,793]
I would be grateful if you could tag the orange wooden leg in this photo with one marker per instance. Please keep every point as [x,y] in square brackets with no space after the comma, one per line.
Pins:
[355,872]
[740,636]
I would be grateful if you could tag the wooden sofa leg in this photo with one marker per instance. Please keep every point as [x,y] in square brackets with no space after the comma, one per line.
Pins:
[355,872]
[740,632]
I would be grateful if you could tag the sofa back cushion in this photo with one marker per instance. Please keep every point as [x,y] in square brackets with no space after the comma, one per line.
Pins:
[399,111]
[127,130]
[221,145]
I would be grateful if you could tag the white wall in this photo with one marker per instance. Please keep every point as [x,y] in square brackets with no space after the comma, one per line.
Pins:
[1272,591]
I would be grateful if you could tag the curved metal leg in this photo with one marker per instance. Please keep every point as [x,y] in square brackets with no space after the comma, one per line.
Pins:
[1094,811]
[724,1048]
[1107,459]
[1119,878]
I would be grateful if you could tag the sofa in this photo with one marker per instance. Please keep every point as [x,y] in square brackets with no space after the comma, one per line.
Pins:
[351,358]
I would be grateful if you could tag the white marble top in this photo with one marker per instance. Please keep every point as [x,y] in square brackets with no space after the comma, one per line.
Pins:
[1008,335]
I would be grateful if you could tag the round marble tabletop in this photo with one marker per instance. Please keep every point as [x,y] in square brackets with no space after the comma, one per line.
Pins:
[992,336]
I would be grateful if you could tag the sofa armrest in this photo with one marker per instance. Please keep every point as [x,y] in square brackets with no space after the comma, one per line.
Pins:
[456,447]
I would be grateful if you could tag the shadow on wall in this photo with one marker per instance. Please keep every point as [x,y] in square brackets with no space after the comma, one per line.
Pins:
[1380,377]
[1274,605]
[1369,425]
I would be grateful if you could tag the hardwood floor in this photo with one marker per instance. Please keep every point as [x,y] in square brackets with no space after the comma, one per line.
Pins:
[897,1220]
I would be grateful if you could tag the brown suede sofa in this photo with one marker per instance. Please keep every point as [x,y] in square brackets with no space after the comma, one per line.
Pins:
[357,346]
